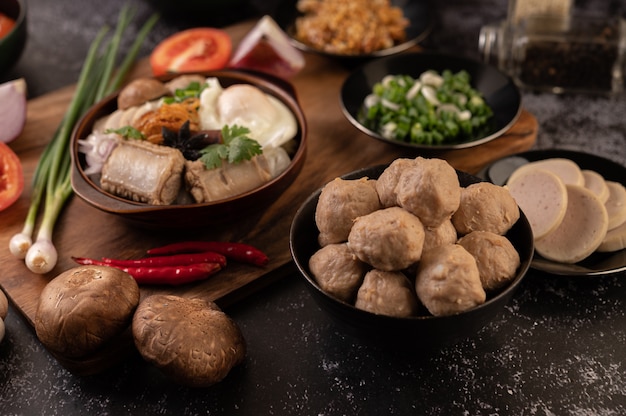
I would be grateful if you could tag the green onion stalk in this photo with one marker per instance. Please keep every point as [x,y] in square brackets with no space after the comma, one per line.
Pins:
[51,181]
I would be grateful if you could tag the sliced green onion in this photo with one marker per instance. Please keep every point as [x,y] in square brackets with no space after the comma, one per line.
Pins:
[444,105]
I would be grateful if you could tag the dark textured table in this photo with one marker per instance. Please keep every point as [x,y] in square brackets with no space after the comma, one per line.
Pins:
[559,348]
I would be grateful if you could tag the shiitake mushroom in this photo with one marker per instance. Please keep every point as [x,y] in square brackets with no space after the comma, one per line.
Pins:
[139,91]
[4,308]
[83,308]
[190,340]
[4,305]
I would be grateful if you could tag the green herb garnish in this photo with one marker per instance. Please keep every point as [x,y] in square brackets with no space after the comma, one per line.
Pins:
[127,132]
[193,90]
[432,109]
[236,147]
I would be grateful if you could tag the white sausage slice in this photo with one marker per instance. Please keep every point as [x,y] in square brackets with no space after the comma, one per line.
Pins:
[582,230]
[566,169]
[596,184]
[542,196]
[615,239]
[616,204]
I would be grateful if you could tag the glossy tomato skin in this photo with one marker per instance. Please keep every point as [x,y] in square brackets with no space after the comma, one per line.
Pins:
[11,177]
[192,50]
[6,25]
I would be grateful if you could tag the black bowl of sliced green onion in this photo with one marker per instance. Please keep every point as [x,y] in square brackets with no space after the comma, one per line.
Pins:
[429,100]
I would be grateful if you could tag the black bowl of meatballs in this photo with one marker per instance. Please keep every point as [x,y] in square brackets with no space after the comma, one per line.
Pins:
[411,254]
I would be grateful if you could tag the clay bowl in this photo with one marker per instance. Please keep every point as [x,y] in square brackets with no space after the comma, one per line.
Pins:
[196,214]
[12,44]
[419,332]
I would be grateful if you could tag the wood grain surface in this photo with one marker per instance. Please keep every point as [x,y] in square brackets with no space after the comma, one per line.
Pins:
[335,148]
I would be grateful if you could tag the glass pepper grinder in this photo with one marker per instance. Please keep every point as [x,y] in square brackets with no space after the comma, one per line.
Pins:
[552,49]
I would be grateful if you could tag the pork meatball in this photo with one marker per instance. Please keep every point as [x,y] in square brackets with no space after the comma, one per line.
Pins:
[337,271]
[340,202]
[387,293]
[496,258]
[439,236]
[389,239]
[448,281]
[387,181]
[430,190]
[485,207]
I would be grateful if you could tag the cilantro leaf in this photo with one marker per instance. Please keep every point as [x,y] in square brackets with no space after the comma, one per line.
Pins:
[212,155]
[243,148]
[230,133]
[193,90]
[128,132]
[236,147]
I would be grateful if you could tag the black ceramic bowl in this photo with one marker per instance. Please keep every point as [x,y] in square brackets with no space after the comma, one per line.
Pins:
[415,332]
[417,12]
[499,91]
[192,215]
[12,45]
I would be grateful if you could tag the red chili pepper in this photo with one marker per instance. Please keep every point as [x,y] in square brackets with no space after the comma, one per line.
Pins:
[241,252]
[174,260]
[166,275]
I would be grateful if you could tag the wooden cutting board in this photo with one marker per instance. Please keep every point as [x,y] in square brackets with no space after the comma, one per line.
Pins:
[335,148]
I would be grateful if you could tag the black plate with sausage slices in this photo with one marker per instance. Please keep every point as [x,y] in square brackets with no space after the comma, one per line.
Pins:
[596,264]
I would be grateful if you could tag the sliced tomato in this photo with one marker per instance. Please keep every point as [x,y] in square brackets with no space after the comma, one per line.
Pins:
[6,24]
[11,176]
[192,50]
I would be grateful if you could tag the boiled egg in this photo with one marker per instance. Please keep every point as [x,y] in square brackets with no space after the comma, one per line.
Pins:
[270,122]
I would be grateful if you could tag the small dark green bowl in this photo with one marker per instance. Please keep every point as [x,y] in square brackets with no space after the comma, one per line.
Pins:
[12,45]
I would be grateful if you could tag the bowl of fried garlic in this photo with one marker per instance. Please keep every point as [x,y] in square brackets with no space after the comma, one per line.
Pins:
[354,31]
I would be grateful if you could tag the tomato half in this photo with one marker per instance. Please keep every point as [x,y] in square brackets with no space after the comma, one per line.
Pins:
[6,24]
[192,50]
[11,176]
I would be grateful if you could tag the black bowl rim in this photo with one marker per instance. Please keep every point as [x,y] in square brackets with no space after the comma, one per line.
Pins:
[19,19]
[420,29]
[101,199]
[350,107]
[501,296]
[14,42]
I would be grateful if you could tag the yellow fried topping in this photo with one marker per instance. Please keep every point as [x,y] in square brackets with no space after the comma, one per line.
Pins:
[171,116]
[350,27]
